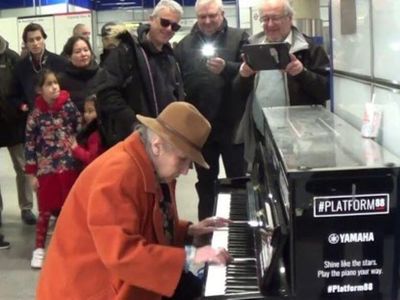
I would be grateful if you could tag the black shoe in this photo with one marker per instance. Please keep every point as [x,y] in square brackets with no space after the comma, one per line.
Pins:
[3,243]
[28,217]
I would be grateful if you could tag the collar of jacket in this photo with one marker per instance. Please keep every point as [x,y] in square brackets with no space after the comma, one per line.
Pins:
[82,73]
[43,106]
[299,41]
[222,30]
[140,156]
[42,62]
[3,45]
[147,45]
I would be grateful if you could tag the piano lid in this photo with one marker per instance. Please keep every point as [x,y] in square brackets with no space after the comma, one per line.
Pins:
[311,137]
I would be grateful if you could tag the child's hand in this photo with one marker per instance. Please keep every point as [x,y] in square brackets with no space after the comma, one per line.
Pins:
[24,107]
[72,143]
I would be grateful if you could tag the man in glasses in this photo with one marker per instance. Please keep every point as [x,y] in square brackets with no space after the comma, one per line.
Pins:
[144,75]
[209,57]
[304,81]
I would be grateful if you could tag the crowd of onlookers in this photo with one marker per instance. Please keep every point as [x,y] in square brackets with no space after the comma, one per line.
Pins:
[60,112]
[48,120]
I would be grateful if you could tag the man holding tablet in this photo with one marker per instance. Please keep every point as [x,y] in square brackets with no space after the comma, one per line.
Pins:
[305,79]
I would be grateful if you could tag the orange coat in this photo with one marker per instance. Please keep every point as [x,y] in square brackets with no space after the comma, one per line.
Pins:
[109,241]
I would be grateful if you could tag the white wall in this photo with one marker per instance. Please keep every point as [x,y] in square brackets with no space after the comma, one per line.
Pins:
[58,28]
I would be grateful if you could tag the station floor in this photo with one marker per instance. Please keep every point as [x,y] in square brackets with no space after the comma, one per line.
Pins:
[17,279]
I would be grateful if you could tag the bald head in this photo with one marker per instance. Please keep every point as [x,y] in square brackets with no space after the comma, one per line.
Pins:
[81,30]
[276,17]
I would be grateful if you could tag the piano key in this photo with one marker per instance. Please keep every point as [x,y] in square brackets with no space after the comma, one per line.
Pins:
[240,276]
[215,284]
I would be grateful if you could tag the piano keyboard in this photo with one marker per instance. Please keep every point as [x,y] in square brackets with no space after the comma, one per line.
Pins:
[240,276]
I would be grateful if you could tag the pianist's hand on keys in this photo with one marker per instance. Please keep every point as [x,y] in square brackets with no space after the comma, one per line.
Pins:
[208,254]
[207,226]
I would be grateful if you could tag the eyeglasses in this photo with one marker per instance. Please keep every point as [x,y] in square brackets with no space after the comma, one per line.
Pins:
[174,26]
[273,19]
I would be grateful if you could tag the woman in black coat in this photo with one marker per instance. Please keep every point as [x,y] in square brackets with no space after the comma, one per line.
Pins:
[82,76]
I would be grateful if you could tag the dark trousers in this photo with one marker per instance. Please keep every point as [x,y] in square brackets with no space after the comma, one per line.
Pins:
[232,158]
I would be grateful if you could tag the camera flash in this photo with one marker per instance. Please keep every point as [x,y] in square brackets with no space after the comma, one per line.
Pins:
[208,50]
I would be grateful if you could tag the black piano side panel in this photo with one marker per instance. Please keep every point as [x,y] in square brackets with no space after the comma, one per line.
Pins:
[341,194]
[338,255]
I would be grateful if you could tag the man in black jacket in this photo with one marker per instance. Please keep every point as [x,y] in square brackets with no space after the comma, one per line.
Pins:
[12,131]
[27,69]
[144,74]
[22,91]
[207,78]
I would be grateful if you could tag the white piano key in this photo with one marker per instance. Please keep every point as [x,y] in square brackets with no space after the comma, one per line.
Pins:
[269,214]
[220,238]
[223,206]
[216,274]
[215,284]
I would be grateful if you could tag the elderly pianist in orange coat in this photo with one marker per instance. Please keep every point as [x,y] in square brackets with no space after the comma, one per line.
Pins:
[118,235]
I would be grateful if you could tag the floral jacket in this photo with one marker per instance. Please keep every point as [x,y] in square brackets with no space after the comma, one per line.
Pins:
[48,133]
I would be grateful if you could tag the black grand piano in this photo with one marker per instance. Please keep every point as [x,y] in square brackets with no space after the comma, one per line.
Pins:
[316,219]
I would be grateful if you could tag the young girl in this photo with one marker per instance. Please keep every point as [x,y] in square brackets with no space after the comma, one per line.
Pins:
[49,161]
[88,144]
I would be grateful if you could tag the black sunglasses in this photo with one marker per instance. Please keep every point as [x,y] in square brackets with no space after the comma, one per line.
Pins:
[174,26]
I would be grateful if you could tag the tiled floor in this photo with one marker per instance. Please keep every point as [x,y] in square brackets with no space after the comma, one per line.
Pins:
[17,279]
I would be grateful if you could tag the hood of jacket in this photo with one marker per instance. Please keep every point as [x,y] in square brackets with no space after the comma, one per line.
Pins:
[3,45]
[43,106]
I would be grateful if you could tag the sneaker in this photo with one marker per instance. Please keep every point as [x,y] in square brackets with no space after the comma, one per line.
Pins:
[37,258]
[3,243]
[28,217]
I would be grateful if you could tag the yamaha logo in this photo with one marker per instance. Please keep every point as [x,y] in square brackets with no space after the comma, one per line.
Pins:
[354,237]
[333,238]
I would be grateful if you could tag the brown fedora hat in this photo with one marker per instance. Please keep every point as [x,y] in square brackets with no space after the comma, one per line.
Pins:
[182,125]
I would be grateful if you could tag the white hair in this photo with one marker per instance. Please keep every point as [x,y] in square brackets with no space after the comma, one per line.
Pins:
[147,136]
[169,4]
[287,6]
[202,2]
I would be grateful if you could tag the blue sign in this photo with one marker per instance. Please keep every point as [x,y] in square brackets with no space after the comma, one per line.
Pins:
[82,3]
[95,4]
[152,3]
[4,4]
[115,4]
[49,2]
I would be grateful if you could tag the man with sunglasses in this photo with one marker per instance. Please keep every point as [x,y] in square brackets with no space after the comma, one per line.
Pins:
[304,81]
[207,80]
[145,77]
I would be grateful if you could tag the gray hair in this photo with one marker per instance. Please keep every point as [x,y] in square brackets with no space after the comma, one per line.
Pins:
[169,4]
[202,2]
[77,27]
[287,7]
[147,135]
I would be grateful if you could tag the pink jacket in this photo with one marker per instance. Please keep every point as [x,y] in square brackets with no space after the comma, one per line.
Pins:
[93,148]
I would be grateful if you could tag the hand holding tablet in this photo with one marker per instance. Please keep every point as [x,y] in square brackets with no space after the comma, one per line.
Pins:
[272,56]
